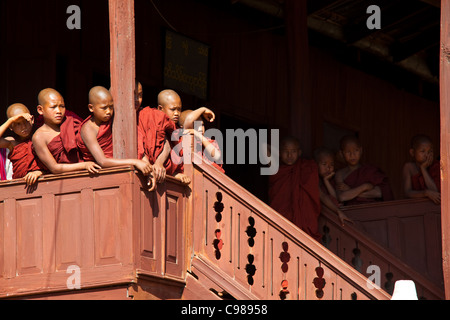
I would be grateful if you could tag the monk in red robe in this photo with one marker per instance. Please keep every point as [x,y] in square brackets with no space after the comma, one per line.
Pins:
[54,142]
[25,165]
[360,183]
[294,190]
[95,136]
[327,185]
[422,176]
[208,148]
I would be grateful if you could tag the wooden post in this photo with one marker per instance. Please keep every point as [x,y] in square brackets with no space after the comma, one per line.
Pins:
[123,74]
[445,141]
[298,72]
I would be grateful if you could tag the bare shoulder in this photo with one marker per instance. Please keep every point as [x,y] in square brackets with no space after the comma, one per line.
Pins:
[409,168]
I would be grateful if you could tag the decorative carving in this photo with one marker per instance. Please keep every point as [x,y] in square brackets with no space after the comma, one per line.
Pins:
[218,206]
[319,282]
[356,260]
[285,257]
[218,243]
[251,232]
[284,290]
[326,238]
[389,284]
[250,269]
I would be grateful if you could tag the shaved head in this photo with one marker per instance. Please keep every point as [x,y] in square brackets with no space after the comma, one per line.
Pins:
[417,140]
[167,96]
[45,94]
[349,139]
[99,93]
[290,140]
[183,116]
[16,109]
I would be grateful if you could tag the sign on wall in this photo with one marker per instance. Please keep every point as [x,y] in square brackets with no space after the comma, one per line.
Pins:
[186,63]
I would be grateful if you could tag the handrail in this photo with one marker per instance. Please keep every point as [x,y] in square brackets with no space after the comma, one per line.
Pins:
[283,256]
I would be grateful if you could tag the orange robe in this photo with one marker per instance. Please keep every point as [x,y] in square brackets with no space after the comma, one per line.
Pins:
[104,138]
[294,193]
[153,127]
[418,182]
[23,160]
[369,174]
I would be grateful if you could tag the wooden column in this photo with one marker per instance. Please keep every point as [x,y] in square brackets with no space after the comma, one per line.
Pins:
[298,72]
[445,141]
[123,62]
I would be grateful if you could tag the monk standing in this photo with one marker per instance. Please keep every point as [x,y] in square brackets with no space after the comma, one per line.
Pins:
[422,176]
[294,190]
[55,141]
[95,137]
[360,183]
[25,165]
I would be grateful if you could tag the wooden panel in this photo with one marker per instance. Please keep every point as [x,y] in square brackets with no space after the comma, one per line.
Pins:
[107,226]
[175,233]
[29,236]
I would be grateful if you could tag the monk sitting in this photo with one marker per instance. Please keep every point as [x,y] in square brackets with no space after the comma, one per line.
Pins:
[294,190]
[24,163]
[54,142]
[169,102]
[95,136]
[325,161]
[154,131]
[360,183]
[208,149]
[421,176]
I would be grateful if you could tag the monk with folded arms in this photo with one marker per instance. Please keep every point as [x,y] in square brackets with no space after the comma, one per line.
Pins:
[55,141]
[20,121]
[294,189]
[95,136]
[422,175]
[359,183]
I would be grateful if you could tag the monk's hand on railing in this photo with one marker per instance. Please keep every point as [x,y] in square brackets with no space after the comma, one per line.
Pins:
[151,182]
[343,217]
[92,167]
[433,196]
[145,167]
[183,178]
[159,172]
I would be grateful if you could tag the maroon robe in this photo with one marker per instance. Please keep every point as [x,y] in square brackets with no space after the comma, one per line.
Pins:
[104,138]
[369,174]
[294,193]
[418,181]
[24,160]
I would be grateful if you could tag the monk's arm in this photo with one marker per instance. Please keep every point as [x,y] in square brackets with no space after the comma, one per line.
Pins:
[327,202]
[429,182]
[349,194]
[372,194]
[194,115]
[41,149]
[89,136]
[407,185]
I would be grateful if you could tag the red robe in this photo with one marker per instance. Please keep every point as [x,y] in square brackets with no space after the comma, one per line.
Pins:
[369,174]
[176,154]
[153,127]
[324,189]
[23,160]
[2,164]
[205,157]
[294,193]
[418,182]
[104,138]
[63,147]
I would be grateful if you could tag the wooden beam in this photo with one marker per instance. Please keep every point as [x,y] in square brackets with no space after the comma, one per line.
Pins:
[445,142]
[123,63]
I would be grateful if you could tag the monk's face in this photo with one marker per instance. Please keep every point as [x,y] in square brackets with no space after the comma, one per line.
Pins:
[352,153]
[326,165]
[103,109]
[422,152]
[138,96]
[53,109]
[289,153]
[172,108]
[22,127]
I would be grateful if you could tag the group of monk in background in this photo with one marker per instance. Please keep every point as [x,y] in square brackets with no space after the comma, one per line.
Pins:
[302,186]
[59,141]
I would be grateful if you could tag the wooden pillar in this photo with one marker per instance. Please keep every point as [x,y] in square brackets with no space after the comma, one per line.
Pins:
[298,73]
[123,63]
[445,141]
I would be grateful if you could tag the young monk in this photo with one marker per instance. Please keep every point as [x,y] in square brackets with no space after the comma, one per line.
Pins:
[154,131]
[209,149]
[24,163]
[360,183]
[294,190]
[169,102]
[55,141]
[95,136]
[325,161]
[421,176]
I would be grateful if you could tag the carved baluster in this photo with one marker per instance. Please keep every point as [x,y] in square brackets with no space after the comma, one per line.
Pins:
[319,282]
[285,257]
[218,242]
[326,238]
[250,268]
[356,260]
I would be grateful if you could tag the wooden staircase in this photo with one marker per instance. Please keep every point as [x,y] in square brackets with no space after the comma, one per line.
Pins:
[211,240]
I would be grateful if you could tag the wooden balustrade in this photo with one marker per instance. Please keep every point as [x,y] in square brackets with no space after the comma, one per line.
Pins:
[105,230]
[249,251]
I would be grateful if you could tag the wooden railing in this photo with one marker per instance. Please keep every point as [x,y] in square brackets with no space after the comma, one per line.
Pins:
[76,231]
[251,252]
[368,256]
